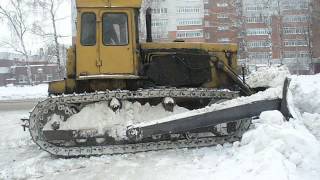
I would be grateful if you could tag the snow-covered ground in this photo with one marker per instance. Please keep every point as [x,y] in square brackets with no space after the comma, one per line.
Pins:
[272,149]
[23,92]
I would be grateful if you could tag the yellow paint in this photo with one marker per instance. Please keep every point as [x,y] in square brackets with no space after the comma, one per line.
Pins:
[118,59]
[57,87]
[71,63]
[109,3]
[125,60]
[70,85]
[183,45]
[87,56]
[102,59]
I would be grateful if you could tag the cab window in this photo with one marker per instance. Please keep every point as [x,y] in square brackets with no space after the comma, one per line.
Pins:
[115,29]
[88,29]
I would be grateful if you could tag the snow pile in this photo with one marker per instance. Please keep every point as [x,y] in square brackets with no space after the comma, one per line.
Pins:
[269,94]
[268,77]
[113,123]
[305,93]
[304,101]
[281,150]
[23,92]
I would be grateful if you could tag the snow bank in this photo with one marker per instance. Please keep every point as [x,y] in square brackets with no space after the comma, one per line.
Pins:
[268,77]
[23,92]
[304,93]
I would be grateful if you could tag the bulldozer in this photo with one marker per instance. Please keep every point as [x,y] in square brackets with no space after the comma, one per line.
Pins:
[109,64]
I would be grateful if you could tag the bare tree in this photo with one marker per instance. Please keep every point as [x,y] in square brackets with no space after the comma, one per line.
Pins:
[50,8]
[16,15]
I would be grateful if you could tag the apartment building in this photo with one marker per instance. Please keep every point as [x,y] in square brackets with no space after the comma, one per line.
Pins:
[281,32]
[267,31]
[221,22]
[174,20]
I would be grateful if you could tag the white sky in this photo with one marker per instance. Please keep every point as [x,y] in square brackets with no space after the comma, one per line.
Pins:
[35,43]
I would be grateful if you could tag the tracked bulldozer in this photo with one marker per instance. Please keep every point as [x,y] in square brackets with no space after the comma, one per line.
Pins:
[109,64]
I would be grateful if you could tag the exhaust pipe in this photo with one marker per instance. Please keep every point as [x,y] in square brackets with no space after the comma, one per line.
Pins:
[149,25]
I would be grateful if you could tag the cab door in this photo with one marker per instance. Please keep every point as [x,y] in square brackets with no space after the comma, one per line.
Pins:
[116,49]
[87,44]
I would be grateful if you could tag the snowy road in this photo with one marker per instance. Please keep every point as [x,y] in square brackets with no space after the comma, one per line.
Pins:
[10,105]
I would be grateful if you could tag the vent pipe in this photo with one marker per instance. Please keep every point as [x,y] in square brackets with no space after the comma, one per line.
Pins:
[149,25]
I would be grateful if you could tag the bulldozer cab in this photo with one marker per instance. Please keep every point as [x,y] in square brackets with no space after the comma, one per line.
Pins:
[106,40]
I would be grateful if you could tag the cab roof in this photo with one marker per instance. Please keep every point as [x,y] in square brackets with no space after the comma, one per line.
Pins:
[109,3]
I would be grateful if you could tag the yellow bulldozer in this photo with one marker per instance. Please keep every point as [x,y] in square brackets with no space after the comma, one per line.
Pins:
[109,64]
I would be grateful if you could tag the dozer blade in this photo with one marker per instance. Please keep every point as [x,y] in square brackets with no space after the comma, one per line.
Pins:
[210,119]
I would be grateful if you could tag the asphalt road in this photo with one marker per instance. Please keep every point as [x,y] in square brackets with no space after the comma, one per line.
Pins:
[14,105]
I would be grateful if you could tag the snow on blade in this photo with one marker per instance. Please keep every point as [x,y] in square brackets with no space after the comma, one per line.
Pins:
[269,94]
[99,116]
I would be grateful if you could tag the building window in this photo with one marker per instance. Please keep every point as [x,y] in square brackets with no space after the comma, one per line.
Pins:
[294,30]
[254,8]
[205,1]
[290,43]
[294,5]
[223,40]
[157,1]
[22,79]
[296,18]
[49,77]
[159,22]
[190,34]
[206,12]
[186,22]
[258,19]
[185,10]
[223,28]
[159,10]
[222,16]
[160,35]
[222,4]
[294,54]
[259,55]
[258,31]
[258,44]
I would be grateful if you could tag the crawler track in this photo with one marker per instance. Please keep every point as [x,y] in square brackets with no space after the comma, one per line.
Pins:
[65,104]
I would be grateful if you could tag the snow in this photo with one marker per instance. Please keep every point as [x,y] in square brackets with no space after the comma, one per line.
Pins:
[304,91]
[113,123]
[273,148]
[273,76]
[23,92]
[272,93]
